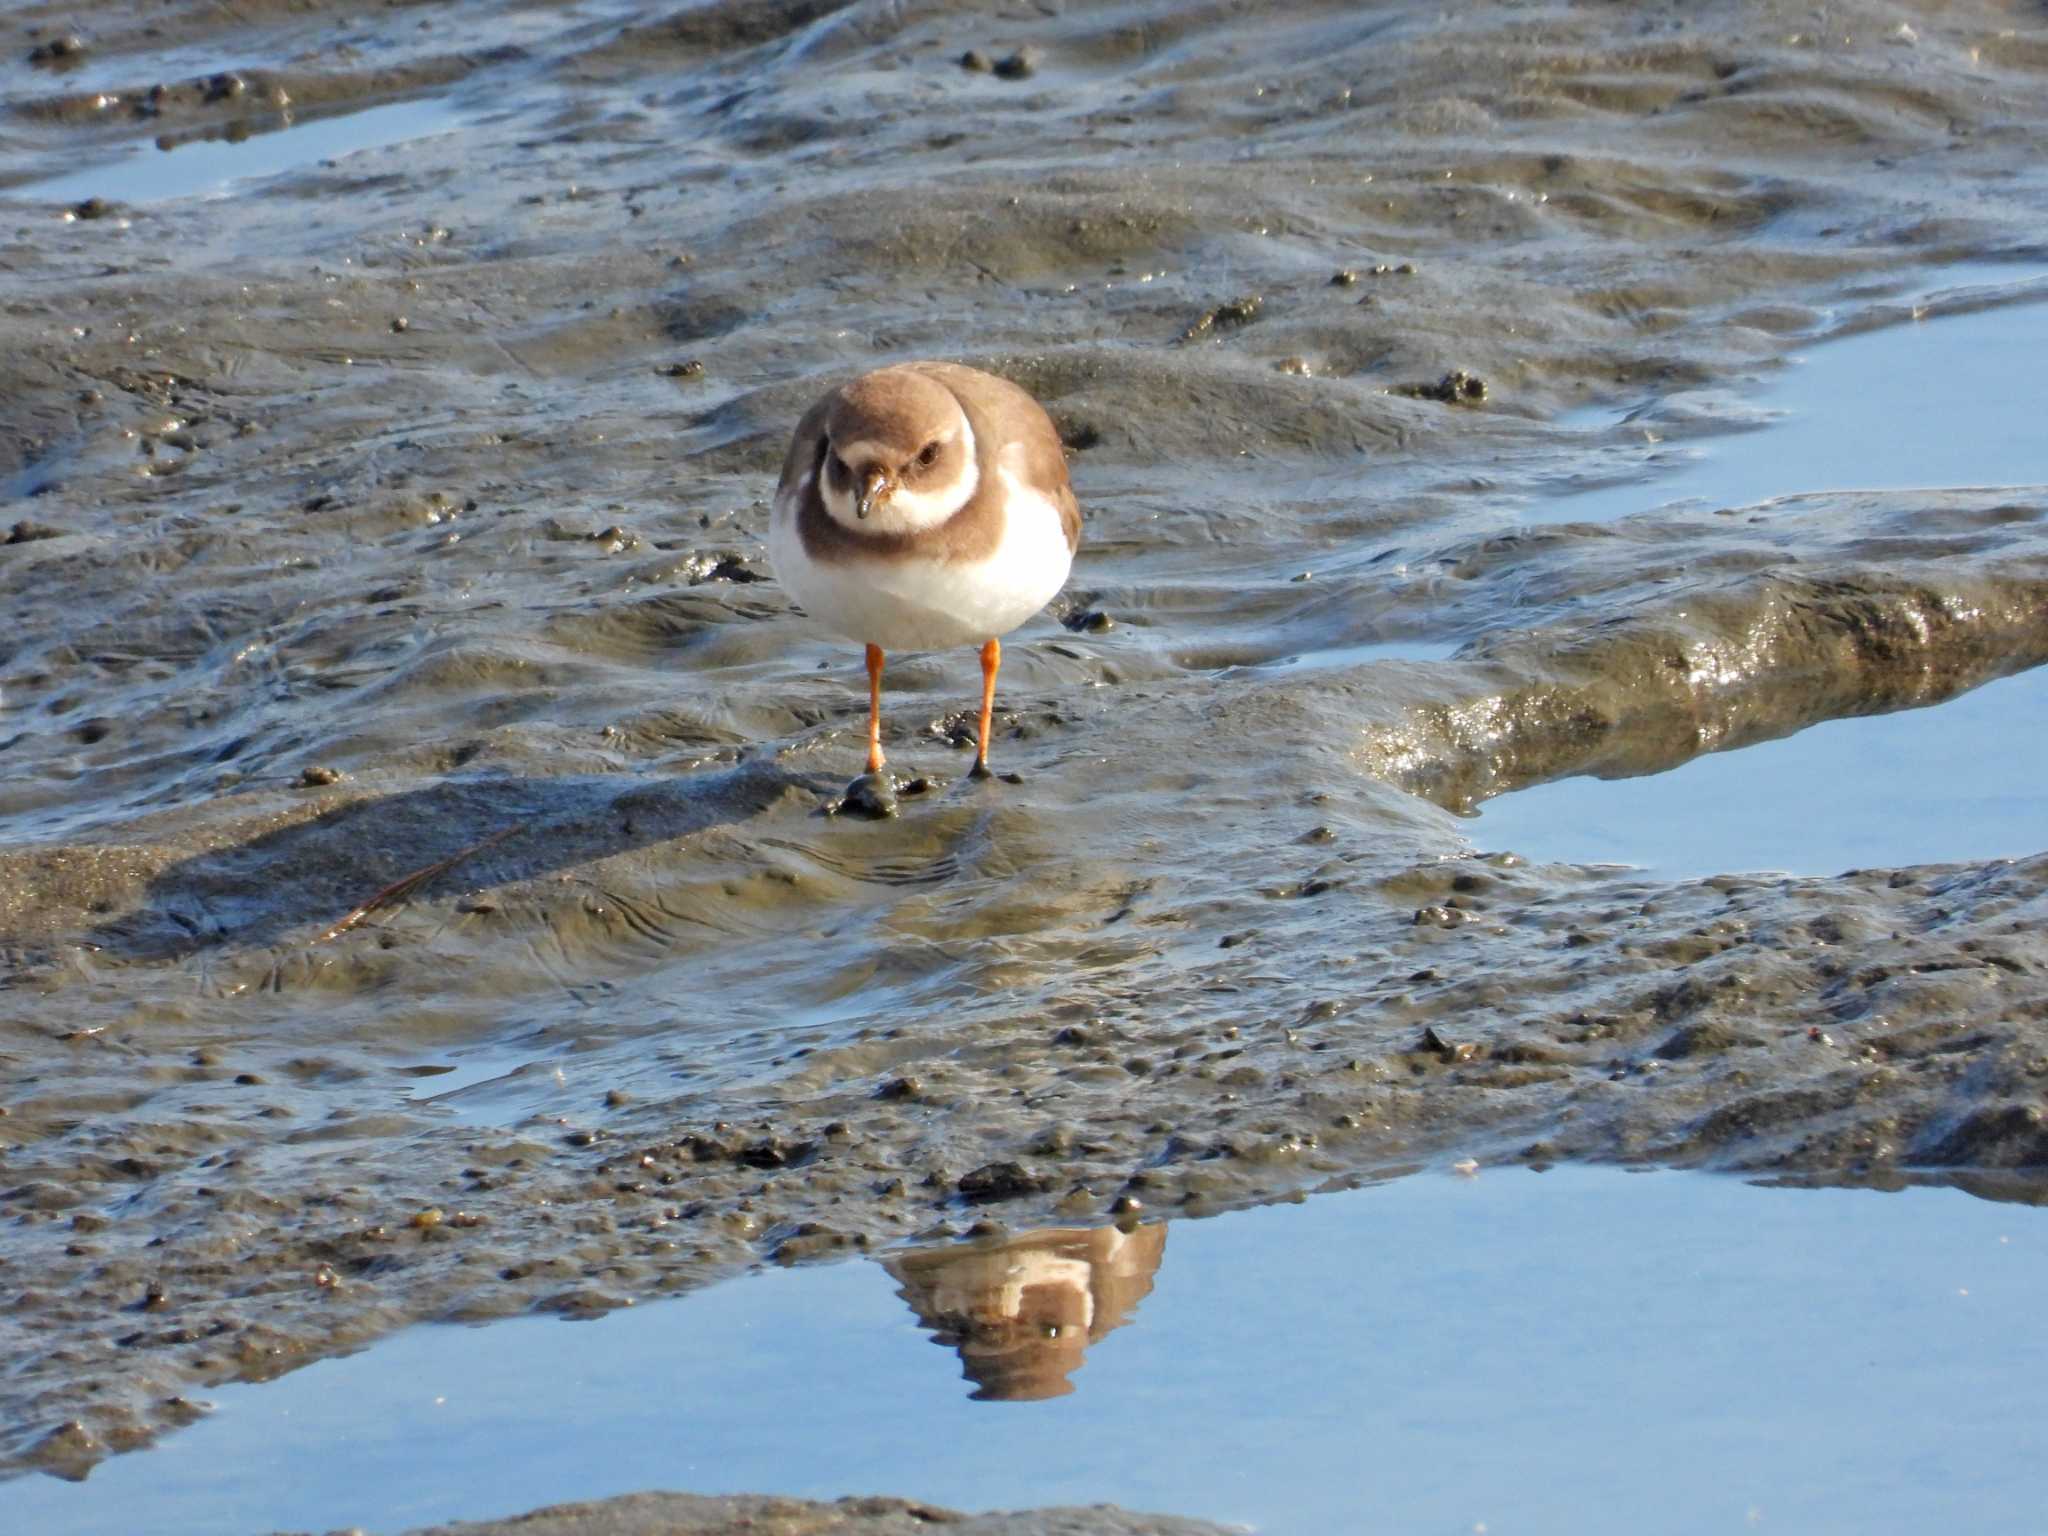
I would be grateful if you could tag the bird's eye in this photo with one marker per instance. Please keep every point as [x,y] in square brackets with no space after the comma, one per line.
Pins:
[929,456]
[835,466]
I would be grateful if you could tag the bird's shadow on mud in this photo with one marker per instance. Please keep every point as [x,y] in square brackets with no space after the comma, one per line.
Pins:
[304,879]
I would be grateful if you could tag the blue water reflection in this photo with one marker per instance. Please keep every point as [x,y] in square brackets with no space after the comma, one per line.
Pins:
[1578,1351]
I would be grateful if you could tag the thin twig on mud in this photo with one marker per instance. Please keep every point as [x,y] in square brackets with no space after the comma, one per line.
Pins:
[405,885]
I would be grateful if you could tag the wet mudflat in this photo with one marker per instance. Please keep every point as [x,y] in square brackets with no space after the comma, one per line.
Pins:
[1437,1354]
[407,502]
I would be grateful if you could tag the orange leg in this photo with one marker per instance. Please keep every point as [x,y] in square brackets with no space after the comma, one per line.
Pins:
[991,658]
[875,758]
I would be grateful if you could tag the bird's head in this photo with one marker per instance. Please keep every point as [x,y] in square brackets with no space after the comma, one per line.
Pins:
[898,455]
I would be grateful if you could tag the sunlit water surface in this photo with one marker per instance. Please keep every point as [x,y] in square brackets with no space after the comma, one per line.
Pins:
[211,167]
[1956,782]
[1581,1350]
[1946,402]
[1949,400]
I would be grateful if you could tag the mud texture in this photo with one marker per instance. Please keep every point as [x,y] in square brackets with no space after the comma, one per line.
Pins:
[406,509]
[676,1514]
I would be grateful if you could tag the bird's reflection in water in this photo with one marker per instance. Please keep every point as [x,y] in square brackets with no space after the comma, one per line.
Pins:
[1023,1310]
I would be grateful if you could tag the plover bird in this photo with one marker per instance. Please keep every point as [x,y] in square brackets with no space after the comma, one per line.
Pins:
[924,505]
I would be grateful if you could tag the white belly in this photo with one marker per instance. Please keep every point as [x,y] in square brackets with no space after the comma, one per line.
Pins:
[923,605]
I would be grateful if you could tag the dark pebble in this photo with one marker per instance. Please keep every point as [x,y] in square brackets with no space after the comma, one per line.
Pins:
[93,208]
[1021,65]
[977,61]
[1054,1141]
[1445,1048]
[1238,311]
[66,52]
[774,1152]
[1000,1181]
[872,795]
[1455,388]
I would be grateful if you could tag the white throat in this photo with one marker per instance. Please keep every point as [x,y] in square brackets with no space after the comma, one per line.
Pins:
[908,511]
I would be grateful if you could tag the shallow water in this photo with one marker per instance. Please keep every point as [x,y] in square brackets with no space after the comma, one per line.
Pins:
[373,518]
[1959,781]
[1359,655]
[1946,401]
[213,167]
[1573,1351]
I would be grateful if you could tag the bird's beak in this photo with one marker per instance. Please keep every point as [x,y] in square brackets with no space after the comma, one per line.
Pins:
[876,487]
